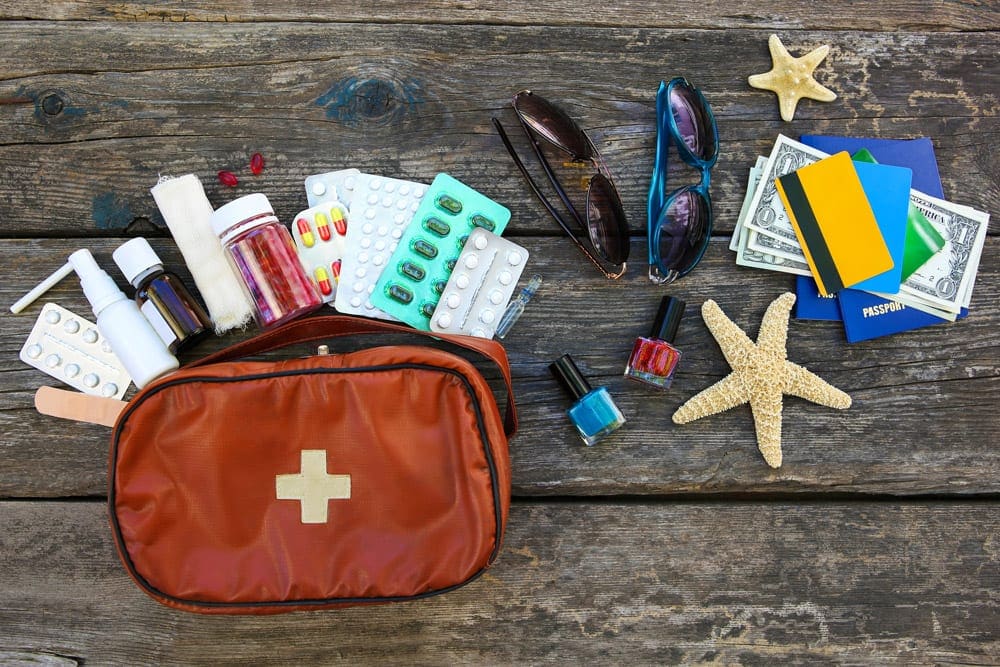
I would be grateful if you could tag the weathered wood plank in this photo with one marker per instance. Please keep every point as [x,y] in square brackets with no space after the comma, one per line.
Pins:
[670,583]
[146,99]
[922,422]
[780,14]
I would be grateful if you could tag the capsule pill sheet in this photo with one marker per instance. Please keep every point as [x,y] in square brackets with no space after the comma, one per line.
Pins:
[428,251]
[480,286]
[320,234]
[380,211]
[70,348]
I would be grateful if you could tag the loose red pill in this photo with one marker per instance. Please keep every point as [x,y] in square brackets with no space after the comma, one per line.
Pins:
[228,178]
[257,164]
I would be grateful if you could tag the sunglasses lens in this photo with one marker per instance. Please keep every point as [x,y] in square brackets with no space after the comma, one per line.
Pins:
[552,123]
[684,229]
[693,120]
[606,221]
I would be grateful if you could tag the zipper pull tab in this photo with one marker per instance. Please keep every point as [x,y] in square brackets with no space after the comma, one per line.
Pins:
[323,350]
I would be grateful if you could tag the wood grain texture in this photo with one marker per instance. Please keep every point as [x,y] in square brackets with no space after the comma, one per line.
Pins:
[661,545]
[922,420]
[778,15]
[146,99]
[757,583]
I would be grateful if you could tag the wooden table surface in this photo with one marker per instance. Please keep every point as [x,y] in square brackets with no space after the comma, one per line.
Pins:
[876,541]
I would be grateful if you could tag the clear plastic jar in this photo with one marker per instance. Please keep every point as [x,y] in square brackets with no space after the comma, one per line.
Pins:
[262,252]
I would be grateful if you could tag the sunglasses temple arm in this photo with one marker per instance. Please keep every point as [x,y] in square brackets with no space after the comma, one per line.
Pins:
[527,177]
[657,184]
[551,175]
[548,206]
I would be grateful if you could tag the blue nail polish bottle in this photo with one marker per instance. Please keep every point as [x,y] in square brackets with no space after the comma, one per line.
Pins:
[594,414]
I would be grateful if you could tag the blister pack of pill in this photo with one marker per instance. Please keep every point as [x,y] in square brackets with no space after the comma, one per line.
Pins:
[331,186]
[418,271]
[480,286]
[320,234]
[380,210]
[70,348]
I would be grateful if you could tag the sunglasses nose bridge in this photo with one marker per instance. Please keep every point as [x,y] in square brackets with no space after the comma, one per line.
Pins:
[706,178]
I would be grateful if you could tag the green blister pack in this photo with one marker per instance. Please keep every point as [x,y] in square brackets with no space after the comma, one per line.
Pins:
[417,272]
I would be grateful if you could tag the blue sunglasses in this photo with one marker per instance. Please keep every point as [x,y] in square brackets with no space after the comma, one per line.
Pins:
[680,223]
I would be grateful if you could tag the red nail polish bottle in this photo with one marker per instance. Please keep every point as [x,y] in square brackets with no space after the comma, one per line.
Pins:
[654,359]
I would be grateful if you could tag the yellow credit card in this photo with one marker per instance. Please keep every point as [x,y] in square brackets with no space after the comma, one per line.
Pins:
[834,223]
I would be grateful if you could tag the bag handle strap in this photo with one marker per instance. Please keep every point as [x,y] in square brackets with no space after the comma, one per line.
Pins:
[335,326]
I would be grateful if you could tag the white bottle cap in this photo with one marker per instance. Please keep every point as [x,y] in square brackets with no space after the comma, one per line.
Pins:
[135,257]
[252,209]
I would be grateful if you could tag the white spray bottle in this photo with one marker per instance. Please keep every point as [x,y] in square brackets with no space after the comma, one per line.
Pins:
[133,339]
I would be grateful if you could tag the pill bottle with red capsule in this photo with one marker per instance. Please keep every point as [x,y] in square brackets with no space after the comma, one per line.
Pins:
[262,252]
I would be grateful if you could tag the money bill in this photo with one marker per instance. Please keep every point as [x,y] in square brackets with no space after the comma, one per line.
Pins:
[767,214]
[758,260]
[946,280]
[752,183]
[774,246]
[918,304]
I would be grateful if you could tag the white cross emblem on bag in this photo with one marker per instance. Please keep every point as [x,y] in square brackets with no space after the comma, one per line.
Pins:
[313,486]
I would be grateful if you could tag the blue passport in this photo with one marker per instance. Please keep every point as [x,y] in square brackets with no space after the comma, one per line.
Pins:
[918,156]
[811,305]
[867,316]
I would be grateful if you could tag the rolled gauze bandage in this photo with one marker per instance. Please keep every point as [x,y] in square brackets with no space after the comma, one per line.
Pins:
[187,211]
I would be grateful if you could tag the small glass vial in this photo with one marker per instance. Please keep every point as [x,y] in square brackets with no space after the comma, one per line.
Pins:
[516,307]
[262,252]
[654,359]
[593,414]
[161,296]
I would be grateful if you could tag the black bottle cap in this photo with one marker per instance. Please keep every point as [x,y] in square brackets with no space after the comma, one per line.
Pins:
[570,377]
[668,319]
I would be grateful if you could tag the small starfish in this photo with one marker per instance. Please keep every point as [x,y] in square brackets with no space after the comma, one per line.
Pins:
[761,375]
[791,78]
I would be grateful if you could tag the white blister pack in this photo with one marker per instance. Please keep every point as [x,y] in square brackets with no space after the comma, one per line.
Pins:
[480,286]
[380,210]
[331,186]
[320,234]
[70,348]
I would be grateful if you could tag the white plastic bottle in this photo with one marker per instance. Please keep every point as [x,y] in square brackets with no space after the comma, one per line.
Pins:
[133,339]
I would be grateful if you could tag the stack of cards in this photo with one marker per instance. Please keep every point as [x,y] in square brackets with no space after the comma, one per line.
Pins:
[873,249]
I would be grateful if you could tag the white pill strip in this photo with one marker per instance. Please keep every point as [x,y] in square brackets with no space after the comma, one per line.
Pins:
[480,287]
[380,210]
[70,348]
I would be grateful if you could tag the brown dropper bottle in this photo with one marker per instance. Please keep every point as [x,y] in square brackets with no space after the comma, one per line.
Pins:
[161,296]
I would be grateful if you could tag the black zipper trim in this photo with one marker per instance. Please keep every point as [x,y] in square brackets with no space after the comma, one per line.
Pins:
[484,438]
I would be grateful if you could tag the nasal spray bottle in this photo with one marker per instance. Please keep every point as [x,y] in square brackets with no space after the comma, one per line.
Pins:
[133,339]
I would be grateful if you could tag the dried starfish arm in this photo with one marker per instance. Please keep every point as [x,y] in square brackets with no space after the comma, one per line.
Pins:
[766,409]
[724,394]
[805,384]
[812,59]
[736,346]
[773,334]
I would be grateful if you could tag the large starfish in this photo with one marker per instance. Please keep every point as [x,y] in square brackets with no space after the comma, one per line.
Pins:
[791,78]
[761,375]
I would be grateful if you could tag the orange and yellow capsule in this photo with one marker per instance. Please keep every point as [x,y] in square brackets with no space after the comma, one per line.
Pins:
[323,281]
[323,226]
[305,232]
[336,270]
[339,223]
